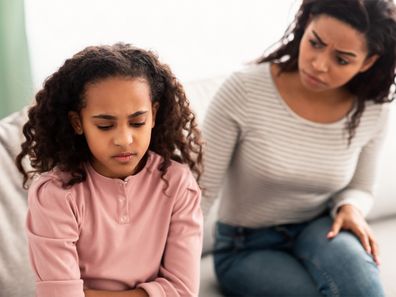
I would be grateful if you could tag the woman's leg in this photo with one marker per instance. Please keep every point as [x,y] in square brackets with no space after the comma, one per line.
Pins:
[243,269]
[340,266]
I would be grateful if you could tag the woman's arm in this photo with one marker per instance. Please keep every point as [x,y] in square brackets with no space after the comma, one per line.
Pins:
[352,205]
[359,191]
[223,128]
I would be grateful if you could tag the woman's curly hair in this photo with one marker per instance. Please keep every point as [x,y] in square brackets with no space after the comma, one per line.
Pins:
[376,19]
[51,140]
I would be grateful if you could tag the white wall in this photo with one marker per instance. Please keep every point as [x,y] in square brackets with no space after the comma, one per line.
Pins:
[197,38]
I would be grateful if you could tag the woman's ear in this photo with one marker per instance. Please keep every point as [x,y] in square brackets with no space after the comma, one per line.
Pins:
[369,62]
[154,109]
[75,121]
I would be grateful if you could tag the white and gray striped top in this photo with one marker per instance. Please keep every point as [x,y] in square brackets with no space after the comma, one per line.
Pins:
[270,166]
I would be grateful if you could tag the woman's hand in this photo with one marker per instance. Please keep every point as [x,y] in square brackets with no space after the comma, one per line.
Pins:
[350,218]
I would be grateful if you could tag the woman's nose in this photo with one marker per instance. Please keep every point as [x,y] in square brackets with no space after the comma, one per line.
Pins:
[321,63]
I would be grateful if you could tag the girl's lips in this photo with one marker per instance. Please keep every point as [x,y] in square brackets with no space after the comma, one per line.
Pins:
[124,157]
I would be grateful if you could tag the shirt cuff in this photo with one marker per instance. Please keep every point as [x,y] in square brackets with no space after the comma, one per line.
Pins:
[153,289]
[359,199]
[70,288]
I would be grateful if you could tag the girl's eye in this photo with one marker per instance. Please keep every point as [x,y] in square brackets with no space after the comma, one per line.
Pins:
[137,124]
[104,127]
[342,61]
[108,127]
[314,43]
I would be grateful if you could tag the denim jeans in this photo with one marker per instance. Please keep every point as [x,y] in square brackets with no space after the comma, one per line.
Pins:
[293,260]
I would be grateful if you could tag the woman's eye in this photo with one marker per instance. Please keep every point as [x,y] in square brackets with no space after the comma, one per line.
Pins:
[314,43]
[342,61]
[104,127]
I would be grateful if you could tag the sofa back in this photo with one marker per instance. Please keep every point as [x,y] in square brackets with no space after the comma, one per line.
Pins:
[16,279]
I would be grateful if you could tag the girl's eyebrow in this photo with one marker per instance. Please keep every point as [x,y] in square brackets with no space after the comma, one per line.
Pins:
[110,117]
[324,44]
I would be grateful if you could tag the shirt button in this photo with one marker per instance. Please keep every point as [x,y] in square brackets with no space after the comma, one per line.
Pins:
[124,219]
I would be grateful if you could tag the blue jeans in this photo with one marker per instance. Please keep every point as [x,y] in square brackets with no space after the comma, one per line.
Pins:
[293,260]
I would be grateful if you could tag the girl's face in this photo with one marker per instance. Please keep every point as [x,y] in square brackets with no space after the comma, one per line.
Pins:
[116,122]
[331,54]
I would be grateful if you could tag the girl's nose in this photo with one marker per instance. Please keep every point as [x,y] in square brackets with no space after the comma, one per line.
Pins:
[123,138]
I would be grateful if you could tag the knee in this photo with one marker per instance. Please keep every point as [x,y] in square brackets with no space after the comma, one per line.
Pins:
[350,275]
[341,267]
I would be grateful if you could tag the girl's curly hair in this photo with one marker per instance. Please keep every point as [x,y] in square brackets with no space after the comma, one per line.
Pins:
[376,19]
[51,141]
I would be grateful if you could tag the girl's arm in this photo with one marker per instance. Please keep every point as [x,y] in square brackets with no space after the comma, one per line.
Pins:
[52,231]
[129,293]
[178,274]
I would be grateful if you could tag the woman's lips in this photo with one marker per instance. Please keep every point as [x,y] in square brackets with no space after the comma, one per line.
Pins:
[313,78]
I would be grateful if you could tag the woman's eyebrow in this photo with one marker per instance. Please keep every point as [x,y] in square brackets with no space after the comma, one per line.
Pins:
[339,51]
[318,38]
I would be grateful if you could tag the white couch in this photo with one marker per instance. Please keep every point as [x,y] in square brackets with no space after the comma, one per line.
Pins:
[16,279]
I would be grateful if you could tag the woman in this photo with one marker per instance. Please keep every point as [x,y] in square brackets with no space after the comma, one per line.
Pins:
[292,143]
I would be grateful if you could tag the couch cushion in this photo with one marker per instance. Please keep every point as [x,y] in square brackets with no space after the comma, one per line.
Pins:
[384,231]
[208,286]
[16,278]
[200,93]
[385,193]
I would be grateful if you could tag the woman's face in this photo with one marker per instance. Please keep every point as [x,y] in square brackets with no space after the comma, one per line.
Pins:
[116,121]
[331,54]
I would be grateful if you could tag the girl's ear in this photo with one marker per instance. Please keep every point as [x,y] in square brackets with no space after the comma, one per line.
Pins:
[154,109]
[75,121]
[369,62]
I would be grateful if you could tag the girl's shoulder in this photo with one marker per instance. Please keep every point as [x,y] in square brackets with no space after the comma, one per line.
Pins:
[49,201]
[177,174]
[54,176]
[49,184]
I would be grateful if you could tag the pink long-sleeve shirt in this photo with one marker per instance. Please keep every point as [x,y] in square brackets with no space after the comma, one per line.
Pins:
[113,234]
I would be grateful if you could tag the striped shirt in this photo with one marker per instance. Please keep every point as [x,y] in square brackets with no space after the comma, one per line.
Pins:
[270,166]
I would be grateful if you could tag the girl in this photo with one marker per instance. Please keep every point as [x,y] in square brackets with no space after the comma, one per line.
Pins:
[295,139]
[115,211]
